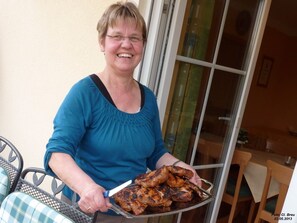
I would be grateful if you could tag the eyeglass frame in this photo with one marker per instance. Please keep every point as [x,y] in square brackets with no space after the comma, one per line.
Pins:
[120,38]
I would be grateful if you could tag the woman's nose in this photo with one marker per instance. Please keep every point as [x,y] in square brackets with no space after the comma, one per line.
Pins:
[126,41]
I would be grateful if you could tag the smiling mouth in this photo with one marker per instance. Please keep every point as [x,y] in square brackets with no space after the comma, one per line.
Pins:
[125,55]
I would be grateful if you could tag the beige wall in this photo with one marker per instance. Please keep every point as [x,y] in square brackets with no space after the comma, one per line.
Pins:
[46,46]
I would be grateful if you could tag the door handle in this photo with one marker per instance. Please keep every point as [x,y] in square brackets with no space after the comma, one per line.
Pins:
[224,118]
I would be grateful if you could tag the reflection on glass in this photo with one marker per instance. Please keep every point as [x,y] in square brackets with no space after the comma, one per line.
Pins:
[183,109]
[198,27]
[209,151]
[237,33]
[220,103]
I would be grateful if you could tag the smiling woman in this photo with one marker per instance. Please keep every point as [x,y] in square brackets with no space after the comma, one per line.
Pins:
[107,130]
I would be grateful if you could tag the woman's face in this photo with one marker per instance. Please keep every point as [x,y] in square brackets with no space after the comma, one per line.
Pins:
[123,47]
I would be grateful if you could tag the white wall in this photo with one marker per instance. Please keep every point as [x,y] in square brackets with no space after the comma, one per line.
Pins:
[46,46]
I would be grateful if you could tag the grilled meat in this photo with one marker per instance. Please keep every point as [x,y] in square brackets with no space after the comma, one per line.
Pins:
[181,194]
[157,190]
[155,196]
[174,181]
[194,188]
[127,199]
[181,172]
[153,178]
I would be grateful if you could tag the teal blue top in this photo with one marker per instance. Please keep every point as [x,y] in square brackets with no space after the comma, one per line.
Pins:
[111,146]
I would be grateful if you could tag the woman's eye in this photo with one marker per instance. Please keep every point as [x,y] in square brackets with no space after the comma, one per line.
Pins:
[117,37]
[135,39]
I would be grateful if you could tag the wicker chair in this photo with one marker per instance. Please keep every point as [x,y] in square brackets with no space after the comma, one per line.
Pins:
[48,189]
[11,166]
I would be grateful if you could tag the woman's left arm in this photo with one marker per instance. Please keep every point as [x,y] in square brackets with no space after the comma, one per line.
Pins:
[168,159]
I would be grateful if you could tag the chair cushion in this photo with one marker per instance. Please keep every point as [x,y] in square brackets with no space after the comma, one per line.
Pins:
[21,207]
[4,184]
[244,189]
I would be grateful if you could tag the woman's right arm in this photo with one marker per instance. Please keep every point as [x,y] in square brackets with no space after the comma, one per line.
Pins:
[91,194]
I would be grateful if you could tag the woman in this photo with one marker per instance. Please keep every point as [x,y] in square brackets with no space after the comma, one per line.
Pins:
[107,129]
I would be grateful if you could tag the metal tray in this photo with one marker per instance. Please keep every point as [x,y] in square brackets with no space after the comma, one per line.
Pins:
[175,208]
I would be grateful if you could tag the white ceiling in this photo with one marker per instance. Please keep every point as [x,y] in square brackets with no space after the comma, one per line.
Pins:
[283,16]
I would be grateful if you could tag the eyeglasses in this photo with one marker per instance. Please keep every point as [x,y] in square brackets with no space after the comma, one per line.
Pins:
[119,38]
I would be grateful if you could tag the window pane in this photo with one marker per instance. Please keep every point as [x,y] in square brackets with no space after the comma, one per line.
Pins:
[237,33]
[187,88]
[201,29]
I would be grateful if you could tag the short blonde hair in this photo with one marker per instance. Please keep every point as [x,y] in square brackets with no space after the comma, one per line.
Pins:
[121,10]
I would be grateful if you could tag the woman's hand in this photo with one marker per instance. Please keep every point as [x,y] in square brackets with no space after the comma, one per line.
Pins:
[168,159]
[92,200]
[195,179]
[91,194]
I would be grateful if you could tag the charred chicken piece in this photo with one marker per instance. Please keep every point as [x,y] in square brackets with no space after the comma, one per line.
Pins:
[138,207]
[181,194]
[127,199]
[155,196]
[153,178]
[174,181]
[181,172]
[194,188]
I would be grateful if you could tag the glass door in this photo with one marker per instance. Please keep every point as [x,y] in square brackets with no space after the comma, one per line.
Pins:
[203,85]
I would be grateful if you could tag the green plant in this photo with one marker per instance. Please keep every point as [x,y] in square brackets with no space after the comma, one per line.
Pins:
[242,137]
